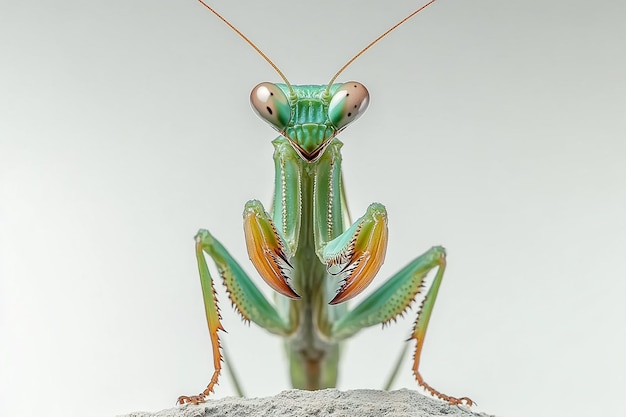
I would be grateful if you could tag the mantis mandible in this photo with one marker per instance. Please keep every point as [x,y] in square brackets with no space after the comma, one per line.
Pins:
[307,246]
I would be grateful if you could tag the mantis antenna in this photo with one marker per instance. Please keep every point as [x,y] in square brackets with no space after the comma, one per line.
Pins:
[346,65]
[372,43]
[256,48]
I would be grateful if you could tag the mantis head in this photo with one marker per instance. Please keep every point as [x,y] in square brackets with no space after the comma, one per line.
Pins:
[309,116]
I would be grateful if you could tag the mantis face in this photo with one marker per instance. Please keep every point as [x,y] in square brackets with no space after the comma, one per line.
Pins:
[309,116]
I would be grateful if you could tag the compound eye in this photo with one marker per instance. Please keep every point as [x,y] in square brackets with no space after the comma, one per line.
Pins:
[348,103]
[269,101]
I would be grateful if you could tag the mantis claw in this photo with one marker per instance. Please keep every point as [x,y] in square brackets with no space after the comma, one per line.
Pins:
[362,256]
[267,250]
[194,399]
[465,401]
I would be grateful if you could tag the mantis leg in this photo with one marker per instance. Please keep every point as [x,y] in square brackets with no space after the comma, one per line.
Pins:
[243,293]
[355,256]
[393,298]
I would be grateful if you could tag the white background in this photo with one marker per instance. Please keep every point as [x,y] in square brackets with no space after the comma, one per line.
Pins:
[496,128]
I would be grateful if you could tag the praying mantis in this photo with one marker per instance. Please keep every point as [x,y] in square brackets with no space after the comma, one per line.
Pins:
[307,249]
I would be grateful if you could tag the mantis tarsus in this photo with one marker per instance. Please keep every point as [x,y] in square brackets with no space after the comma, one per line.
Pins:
[308,246]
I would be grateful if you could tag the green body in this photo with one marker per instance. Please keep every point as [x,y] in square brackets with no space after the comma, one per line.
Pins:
[307,249]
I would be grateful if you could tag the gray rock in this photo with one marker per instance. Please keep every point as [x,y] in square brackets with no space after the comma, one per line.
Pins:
[323,403]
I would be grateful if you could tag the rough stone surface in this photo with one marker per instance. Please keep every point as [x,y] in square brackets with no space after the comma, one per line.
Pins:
[329,402]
